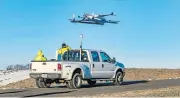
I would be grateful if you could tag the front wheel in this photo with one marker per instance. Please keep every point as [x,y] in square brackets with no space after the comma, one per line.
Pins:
[118,78]
[75,82]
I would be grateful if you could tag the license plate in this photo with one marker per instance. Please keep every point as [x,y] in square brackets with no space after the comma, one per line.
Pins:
[44,75]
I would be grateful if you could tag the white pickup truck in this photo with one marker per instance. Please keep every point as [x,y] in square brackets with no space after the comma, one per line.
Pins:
[91,66]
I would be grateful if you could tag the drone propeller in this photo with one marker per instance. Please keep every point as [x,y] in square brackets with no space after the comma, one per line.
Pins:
[112,14]
[93,13]
[73,16]
[85,14]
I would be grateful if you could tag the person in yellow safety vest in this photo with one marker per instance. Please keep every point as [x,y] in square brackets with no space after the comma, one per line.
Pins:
[62,50]
[40,56]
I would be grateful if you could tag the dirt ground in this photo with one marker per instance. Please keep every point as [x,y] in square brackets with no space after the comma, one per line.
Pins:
[153,74]
[163,92]
[131,74]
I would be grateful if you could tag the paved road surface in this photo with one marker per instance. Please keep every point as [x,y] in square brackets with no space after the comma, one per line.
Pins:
[86,90]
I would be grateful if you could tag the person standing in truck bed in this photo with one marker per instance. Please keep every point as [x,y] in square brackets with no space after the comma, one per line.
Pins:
[62,50]
[40,56]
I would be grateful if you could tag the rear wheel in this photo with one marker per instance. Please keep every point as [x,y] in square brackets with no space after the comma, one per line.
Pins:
[75,82]
[91,83]
[44,83]
[68,84]
[47,83]
[118,78]
[38,84]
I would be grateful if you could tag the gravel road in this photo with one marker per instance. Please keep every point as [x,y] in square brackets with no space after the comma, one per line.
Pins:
[88,91]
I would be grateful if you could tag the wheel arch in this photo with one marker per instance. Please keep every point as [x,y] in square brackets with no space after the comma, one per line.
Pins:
[77,70]
[73,71]
[119,69]
[83,70]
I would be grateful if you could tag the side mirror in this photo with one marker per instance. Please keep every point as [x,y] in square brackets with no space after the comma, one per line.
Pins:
[113,60]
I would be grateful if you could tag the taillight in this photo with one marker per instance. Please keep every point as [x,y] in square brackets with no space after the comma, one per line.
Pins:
[59,67]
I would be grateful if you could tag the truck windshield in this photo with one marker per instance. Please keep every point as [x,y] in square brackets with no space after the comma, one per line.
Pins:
[74,55]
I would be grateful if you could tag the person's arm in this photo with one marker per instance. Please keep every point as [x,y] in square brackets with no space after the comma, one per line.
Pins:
[59,51]
[69,48]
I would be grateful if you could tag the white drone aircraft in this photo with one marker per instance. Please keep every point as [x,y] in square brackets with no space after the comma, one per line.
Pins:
[93,19]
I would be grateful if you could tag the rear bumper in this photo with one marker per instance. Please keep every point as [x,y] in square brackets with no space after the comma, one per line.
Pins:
[47,75]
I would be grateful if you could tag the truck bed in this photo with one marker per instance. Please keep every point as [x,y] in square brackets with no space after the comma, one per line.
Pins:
[45,67]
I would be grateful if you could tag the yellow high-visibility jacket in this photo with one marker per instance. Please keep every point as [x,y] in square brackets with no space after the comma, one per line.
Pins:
[63,50]
[40,56]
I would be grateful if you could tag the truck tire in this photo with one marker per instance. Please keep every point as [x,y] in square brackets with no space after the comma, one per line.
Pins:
[118,78]
[42,84]
[45,83]
[68,84]
[38,84]
[90,82]
[75,82]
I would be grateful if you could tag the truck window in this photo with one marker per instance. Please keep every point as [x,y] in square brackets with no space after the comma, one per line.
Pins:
[85,57]
[95,56]
[75,56]
[105,57]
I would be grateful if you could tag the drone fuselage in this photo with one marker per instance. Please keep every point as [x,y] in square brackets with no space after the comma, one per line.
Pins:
[94,19]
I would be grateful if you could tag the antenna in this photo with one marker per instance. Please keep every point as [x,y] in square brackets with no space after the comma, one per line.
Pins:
[81,35]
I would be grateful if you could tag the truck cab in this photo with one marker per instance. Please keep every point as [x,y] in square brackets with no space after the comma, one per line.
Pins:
[77,65]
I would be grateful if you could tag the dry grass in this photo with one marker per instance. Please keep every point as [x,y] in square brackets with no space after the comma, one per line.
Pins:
[131,74]
[27,83]
[163,92]
[154,74]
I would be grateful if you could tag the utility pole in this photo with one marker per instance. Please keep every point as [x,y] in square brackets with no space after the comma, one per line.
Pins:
[81,35]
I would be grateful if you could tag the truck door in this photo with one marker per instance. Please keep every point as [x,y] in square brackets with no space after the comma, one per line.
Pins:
[96,66]
[108,68]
